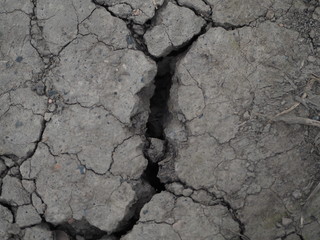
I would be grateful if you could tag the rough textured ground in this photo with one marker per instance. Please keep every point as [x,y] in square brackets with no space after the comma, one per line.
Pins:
[159,119]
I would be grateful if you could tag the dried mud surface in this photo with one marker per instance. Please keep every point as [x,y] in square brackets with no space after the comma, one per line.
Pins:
[159,119]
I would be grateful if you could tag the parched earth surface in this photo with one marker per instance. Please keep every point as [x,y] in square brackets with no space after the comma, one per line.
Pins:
[159,119]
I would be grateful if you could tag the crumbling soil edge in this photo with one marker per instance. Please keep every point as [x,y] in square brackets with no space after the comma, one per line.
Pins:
[150,173]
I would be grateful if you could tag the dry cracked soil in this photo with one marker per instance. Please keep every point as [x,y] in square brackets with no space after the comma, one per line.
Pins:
[159,119]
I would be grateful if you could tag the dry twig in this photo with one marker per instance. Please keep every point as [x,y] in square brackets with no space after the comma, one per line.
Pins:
[299,120]
[294,106]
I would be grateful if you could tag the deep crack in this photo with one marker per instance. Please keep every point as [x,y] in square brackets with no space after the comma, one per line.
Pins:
[158,102]
[82,228]
[155,126]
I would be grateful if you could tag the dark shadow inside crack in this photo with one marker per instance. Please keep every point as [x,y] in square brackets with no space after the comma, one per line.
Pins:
[73,229]
[151,176]
[158,102]
[159,113]
[155,129]
[70,230]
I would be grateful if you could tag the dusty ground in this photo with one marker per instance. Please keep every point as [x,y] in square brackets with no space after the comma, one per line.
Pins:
[159,119]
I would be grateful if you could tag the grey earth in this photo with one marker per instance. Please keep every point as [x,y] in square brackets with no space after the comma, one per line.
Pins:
[159,119]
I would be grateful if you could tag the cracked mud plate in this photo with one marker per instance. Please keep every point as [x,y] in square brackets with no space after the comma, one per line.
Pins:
[159,119]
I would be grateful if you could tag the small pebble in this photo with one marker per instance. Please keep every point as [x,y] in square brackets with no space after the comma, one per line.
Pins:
[286,221]
[176,188]
[270,14]
[297,194]
[311,59]
[246,115]
[14,171]
[8,162]
[187,192]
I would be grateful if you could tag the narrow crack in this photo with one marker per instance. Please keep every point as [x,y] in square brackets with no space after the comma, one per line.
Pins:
[205,15]
[236,219]
[217,201]
[140,44]
[43,127]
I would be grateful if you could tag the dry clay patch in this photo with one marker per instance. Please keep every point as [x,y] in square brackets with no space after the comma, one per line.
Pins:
[80,157]
[71,174]
[236,78]
[171,217]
